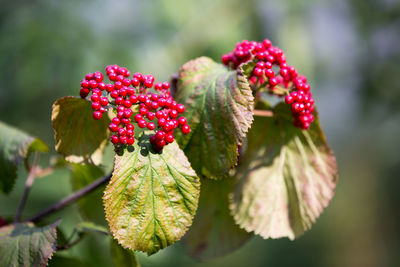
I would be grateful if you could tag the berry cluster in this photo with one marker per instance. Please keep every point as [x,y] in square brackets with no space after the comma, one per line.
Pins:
[133,95]
[272,72]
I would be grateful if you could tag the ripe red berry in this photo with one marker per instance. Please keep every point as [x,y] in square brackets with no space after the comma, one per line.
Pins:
[96,105]
[180,108]
[169,138]
[104,101]
[114,139]
[182,121]
[97,115]
[113,127]
[95,98]
[130,140]
[142,123]
[151,126]
[185,129]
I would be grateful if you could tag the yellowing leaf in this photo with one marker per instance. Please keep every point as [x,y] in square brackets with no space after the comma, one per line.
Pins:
[79,138]
[152,197]
[287,178]
[219,107]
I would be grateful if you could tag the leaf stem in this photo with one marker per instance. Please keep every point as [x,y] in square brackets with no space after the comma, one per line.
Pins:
[263,113]
[28,185]
[71,198]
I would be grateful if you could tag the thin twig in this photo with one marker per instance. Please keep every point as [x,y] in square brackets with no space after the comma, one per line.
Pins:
[71,198]
[28,185]
[263,113]
[69,245]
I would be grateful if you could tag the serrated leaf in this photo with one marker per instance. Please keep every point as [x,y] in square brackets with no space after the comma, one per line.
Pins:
[79,138]
[152,197]
[123,257]
[15,146]
[214,232]
[90,206]
[27,245]
[219,107]
[287,178]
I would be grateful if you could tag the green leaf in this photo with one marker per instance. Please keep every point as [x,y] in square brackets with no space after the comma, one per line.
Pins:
[90,206]
[152,197]
[287,178]
[27,245]
[15,146]
[79,138]
[123,257]
[219,107]
[84,227]
[214,232]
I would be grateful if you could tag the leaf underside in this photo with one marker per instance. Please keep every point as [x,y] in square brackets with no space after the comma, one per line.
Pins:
[214,232]
[152,197]
[79,138]
[15,146]
[219,107]
[27,245]
[287,178]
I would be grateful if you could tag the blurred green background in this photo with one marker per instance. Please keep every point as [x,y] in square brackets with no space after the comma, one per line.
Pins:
[349,49]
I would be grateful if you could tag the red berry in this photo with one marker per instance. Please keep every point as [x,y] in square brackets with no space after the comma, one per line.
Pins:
[135,81]
[114,139]
[133,99]
[173,113]
[185,129]
[169,138]
[114,94]
[97,115]
[127,103]
[151,126]
[85,84]
[84,92]
[93,84]
[123,140]
[128,113]
[161,121]
[113,127]
[165,85]
[129,127]
[104,101]
[150,115]
[142,123]
[160,143]
[119,100]
[160,135]
[138,117]
[289,99]
[89,76]
[182,121]
[95,98]
[180,108]
[116,120]
[121,131]
[96,105]
[125,120]
[130,140]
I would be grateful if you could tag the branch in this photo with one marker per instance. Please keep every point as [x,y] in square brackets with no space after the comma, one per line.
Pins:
[28,185]
[71,198]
